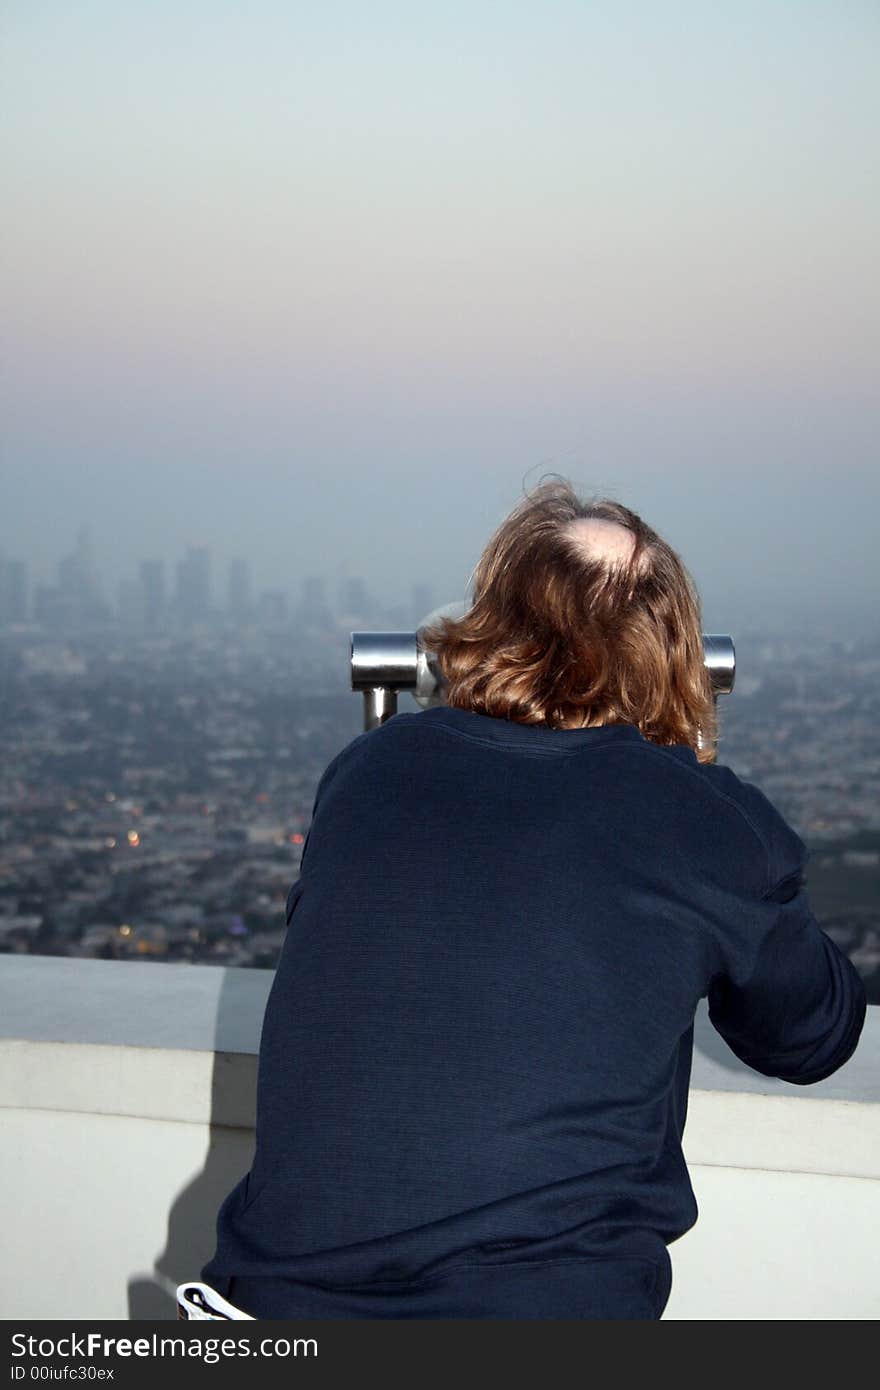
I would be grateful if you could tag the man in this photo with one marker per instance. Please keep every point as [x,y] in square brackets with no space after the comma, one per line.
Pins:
[476,1052]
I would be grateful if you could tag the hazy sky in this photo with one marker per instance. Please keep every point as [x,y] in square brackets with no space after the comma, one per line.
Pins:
[325,284]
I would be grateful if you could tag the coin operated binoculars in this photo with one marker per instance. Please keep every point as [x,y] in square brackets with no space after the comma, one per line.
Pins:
[385,663]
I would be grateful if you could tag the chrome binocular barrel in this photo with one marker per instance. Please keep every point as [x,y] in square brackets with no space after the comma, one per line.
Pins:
[385,663]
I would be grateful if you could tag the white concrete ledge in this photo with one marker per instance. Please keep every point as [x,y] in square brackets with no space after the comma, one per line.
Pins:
[206,1008]
[783,1134]
[149,1083]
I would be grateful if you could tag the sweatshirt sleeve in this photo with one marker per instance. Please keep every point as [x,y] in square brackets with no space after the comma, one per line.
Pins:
[326,778]
[800,1011]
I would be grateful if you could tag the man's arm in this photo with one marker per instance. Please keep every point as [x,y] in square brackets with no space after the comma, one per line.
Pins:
[800,1013]
[323,782]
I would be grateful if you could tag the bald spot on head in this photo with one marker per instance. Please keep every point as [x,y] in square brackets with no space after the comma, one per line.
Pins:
[594,538]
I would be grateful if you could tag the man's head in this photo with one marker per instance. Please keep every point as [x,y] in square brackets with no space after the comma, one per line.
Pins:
[581,615]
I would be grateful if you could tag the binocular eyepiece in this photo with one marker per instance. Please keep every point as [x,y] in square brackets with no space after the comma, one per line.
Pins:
[385,663]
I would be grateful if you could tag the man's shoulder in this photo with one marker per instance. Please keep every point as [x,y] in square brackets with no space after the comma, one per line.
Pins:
[356,754]
[782,851]
[786,852]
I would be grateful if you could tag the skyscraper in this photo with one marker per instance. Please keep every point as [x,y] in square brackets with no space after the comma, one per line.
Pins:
[16,591]
[354,601]
[238,589]
[313,611]
[193,595]
[152,579]
[79,587]
[130,605]
[272,608]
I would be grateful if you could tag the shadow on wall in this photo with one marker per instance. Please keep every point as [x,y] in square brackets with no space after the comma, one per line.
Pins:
[190,1241]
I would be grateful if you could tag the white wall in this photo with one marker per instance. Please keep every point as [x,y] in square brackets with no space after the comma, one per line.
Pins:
[106,1214]
[778,1246]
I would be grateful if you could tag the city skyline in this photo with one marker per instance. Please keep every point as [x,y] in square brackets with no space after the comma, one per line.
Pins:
[228,588]
[192,589]
[237,592]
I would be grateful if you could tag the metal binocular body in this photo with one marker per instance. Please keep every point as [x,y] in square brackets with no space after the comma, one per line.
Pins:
[385,663]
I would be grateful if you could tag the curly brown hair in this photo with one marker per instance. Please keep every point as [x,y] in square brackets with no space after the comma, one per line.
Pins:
[556,636]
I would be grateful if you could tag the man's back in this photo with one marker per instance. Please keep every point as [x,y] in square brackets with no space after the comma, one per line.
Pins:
[476,1052]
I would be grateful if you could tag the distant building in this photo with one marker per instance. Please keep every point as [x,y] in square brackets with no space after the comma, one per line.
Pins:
[130,604]
[55,609]
[193,595]
[13,591]
[272,609]
[17,591]
[155,601]
[314,609]
[354,602]
[78,581]
[238,589]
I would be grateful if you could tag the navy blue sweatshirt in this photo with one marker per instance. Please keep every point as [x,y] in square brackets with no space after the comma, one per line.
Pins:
[476,1052]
